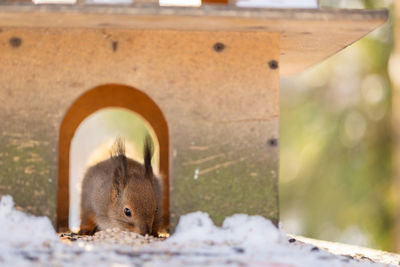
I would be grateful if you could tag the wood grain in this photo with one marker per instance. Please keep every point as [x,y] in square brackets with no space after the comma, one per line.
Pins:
[307,36]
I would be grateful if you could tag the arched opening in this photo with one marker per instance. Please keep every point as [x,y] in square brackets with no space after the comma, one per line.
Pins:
[105,96]
[92,143]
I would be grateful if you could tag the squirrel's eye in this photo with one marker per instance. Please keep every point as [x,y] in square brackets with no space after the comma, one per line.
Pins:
[127,212]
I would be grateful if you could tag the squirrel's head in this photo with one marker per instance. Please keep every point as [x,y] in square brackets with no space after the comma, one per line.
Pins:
[133,204]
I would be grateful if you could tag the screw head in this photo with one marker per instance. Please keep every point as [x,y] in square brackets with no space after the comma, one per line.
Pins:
[218,47]
[15,41]
[273,142]
[114,46]
[273,64]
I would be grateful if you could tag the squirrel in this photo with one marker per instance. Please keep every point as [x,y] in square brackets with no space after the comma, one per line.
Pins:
[120,192]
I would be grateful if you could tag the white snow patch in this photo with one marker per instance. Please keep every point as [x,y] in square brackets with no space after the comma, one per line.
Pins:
[240,229]
[253,231]
[195,227]
[248,240]
[241,241]
[18,229]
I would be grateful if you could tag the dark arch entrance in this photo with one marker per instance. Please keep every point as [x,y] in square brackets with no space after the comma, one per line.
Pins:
[110,95]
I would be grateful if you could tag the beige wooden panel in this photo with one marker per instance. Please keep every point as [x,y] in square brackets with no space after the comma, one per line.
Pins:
[307,36]
[217,91]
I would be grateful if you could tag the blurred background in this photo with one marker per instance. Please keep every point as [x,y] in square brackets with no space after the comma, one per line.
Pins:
[337,141]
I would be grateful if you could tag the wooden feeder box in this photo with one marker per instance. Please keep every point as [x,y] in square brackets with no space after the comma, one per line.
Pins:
[205,78]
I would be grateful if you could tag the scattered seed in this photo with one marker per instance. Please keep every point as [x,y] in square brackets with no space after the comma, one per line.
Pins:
[366,258]
[30,257]
[239,249]
[324,258]
[348,257]
[315,249]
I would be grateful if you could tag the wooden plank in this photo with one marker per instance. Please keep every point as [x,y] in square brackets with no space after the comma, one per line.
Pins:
[307,35]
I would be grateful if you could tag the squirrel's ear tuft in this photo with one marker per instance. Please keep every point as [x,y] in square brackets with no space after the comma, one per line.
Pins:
[148,151]
[118,182]
[118,157]
[118,148]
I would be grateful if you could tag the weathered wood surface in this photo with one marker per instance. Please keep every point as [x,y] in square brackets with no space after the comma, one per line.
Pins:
[307,35]
[221,103]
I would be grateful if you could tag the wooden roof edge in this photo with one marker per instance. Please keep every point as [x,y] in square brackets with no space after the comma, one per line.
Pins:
[323,14]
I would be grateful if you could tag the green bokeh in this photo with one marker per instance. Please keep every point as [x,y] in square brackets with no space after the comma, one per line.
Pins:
[335,128]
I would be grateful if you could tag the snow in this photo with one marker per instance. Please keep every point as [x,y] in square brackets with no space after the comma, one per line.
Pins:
[240,229]
[253,240]
[16,226]
[242,240]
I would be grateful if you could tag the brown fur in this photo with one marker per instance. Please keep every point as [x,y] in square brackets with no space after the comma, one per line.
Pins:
[118,183]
